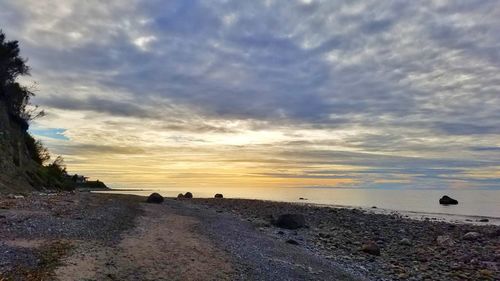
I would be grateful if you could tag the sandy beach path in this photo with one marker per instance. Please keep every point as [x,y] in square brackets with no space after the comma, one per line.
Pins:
[179,241]
[163,246]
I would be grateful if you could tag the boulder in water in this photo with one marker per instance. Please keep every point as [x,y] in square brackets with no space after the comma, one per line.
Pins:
[218,195]
[155,198]
[180,196]
[291,221]
[446,200]
[188,195]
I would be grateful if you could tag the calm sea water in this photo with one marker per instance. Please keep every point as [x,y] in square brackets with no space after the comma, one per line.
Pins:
[472,203]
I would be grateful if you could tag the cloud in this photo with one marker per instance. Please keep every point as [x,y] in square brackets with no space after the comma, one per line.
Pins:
[303,82]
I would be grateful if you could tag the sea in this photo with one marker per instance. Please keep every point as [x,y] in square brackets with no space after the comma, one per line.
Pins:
[419,204]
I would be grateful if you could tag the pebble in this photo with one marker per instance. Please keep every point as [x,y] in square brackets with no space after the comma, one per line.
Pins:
[405,242]
[471,236]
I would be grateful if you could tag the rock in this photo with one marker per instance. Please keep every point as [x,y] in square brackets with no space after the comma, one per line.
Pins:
[483,220]
[324,235]
[445,241]
[405,242]
[281,232]
[302,198]
[371,248]
[374,207]
[471,236]
[291,221]
[180,196]
[446,200]
[291,241]
[155,198]
[218,195]
[188,195]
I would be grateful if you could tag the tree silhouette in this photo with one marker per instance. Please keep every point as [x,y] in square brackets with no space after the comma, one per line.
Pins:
[16,97]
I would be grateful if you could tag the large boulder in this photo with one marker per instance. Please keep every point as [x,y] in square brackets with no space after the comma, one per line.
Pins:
[291,221]
[218,195]
[180,196]
[188,195]
[446,200]
[155,198]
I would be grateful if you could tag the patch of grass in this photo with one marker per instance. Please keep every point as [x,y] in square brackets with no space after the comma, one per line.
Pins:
[49,258]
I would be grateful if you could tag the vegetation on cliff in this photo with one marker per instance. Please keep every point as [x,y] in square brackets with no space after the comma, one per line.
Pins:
[23,159]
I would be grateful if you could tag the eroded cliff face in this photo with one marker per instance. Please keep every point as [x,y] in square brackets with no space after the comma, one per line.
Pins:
[17,169]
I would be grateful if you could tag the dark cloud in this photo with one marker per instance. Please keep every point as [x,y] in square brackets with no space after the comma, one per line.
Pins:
[409,78]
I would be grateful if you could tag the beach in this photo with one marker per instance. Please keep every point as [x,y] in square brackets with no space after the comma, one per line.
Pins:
[90,236]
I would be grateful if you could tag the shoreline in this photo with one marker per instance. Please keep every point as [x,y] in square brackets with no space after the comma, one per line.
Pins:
[95,230]
[417,215]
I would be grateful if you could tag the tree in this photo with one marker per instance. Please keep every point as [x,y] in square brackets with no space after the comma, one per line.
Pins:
[11,64]
[16,97]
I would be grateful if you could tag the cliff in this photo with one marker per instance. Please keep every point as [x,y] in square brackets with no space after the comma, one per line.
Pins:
[17,168]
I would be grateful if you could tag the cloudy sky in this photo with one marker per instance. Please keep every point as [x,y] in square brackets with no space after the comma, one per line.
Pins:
[358,94]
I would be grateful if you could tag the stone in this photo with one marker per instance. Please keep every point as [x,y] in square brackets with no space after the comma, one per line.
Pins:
[291,241]
[471,236]
[324,235]
[405,242]
[483,220]
[218,195]
[445,241]
[180,196]
[371,248]
[155,198]
[446,200]
[188,195]
[291,221]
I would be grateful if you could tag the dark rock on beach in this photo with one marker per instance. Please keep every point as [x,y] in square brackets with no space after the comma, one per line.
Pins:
[155,198]
[471,236]
[371,248]
[291,221]
[180,196]
[188,195]
[446,200]
[218,195]
[437,250]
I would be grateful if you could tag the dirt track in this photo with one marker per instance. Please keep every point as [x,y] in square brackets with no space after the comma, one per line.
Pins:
[87,236]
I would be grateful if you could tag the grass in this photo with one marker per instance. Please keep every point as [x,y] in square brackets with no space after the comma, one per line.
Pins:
[49,258]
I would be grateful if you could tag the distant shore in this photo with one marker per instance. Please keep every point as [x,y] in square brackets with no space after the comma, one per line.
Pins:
[97,236]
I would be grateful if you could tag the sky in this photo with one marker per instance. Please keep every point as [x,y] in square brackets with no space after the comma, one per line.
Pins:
[184,93]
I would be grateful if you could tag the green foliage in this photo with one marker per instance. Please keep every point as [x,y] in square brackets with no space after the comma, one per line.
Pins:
[54,175]
[16,96]
[11,63]
[39,153]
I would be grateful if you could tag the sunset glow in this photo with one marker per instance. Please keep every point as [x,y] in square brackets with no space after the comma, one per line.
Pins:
[300,94]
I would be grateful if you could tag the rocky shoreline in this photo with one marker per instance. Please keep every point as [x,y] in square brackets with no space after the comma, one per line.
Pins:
[40,233]
[409,249]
